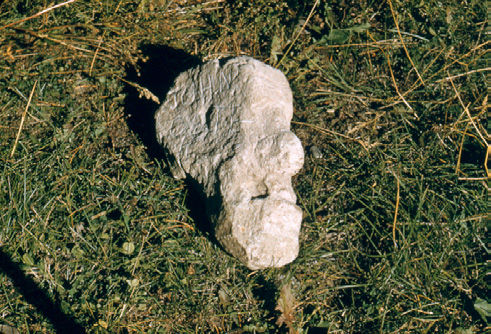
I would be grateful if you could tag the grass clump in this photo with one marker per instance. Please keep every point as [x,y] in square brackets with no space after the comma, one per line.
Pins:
[390,105]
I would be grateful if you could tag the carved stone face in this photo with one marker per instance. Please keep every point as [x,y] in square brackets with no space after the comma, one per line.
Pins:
[228,127]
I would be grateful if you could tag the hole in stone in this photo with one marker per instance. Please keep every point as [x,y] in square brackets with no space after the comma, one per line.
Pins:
[209,117]
[262,196]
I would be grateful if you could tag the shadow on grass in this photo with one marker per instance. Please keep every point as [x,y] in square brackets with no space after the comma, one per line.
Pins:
[265,291]
[197,203]
[63,323]
[157,74]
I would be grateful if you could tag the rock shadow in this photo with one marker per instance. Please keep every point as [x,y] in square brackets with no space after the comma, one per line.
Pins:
[162,66]
[37,297]
[157,74]
[201,207]
[265,291]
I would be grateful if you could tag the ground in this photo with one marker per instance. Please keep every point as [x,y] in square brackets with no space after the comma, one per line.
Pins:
[390,106]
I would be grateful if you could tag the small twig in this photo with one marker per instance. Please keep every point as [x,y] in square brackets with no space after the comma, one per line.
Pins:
[409,34]
[402,41]
[486,161]
[95,55]
[45,36]
[417,84]
[298,33]
[23,119]
[484,178]
[142,91]
[397,88]
[396,212]
[330,132]
[461,146]
[466,109]
[401,96]
[37,14]
[464,74]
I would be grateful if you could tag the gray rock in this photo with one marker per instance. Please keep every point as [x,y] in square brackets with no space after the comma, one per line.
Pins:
[227,127]
[316,152]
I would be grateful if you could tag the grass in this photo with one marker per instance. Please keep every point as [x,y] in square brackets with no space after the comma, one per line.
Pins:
[390,105]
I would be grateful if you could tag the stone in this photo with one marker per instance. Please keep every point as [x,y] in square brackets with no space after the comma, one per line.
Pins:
[316,152]
[226,126]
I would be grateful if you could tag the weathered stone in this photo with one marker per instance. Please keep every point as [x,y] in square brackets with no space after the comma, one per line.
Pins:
[227,126]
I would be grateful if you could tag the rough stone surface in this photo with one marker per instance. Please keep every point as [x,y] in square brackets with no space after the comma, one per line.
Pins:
[226,125]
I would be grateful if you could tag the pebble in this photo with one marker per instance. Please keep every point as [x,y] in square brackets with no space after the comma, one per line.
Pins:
[316,152]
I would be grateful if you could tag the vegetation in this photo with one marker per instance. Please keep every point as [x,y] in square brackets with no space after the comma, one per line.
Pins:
[390,105]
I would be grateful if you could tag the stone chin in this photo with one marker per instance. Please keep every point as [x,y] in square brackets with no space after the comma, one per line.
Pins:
[262,233]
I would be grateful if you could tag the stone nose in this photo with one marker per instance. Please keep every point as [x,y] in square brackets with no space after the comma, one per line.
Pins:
[291,152]
[281,152]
